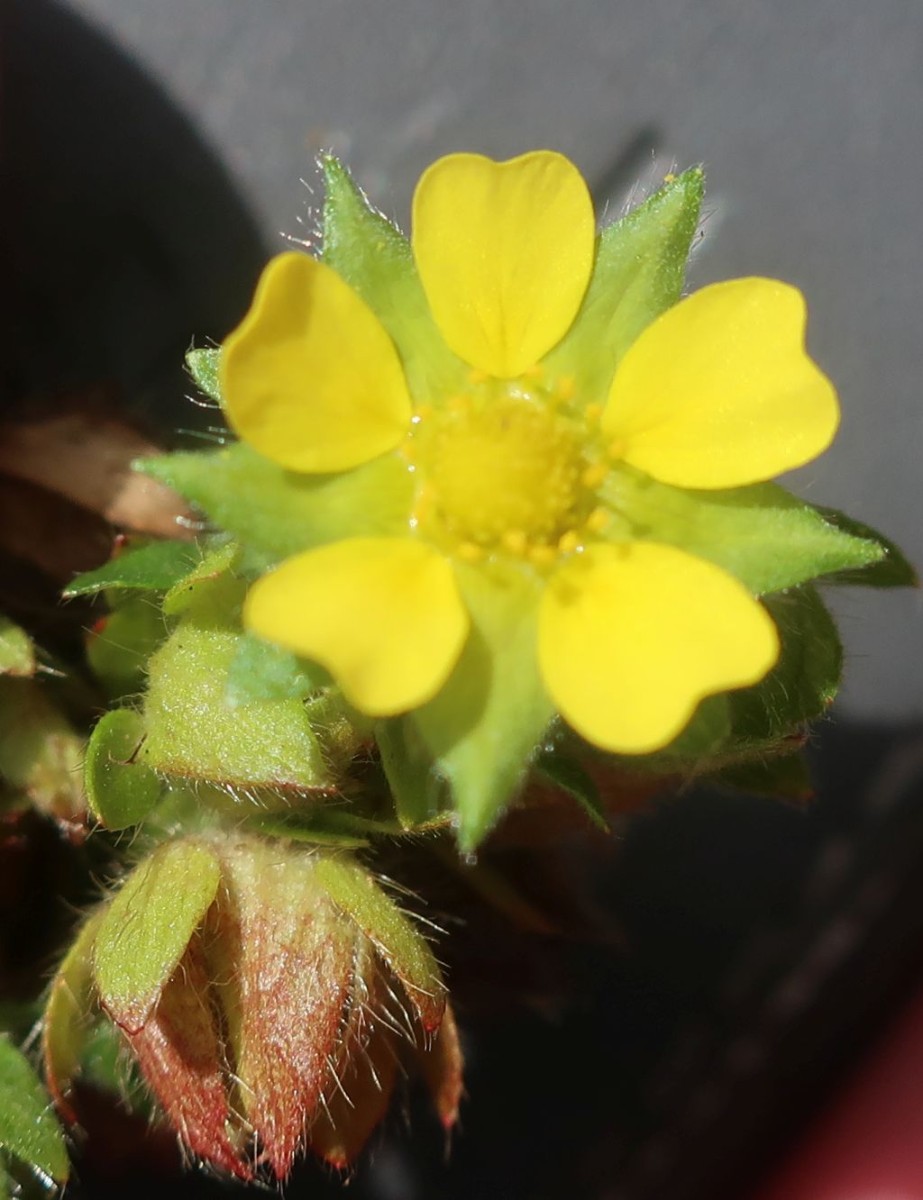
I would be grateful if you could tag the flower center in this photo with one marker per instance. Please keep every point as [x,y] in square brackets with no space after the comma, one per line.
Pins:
[503,468]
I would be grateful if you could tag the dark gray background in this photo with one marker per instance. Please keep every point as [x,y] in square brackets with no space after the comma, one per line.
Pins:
[807,115]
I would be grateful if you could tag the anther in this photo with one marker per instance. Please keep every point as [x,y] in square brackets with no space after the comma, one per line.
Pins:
[569,542]
[514,540]
[616,448]
[597,521]
[470,552]
[542,555]
[594,475]
[592,413]
[565,387]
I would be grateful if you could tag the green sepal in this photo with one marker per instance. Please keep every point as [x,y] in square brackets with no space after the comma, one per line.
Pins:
[395,936]
[639,272]
[68,1014]
[17,651]
[780,777]
[120,790]
[417,792]
[215,561]
[762,534]
[892,569]
[375,259]
[193,732]
[29,1130]
[119,647]
[275,513]
[145,930]
[804,682]
[564,771]
[202,365]
[484,725]
[155,567]
[260,670]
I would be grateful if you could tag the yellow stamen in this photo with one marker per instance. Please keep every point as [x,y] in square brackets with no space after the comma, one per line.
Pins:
[616,449]
[541,555]
[514,540]
[569,542]
[470,552]
[592,413]
[597,521]
[594,475]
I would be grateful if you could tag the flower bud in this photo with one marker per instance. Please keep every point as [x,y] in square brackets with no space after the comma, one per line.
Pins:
[271,995]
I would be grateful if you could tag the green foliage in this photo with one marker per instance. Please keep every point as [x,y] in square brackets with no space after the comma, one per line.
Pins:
[156,567]
[146,929]
[40,752]
[17,653]
[214,562]
[262,671]
[120,790]
[29,1130]
[120,644]
[482,728]
[376,260]
[203,365]
[192,730]
[762,534]
[638,274]
[391,931]
[275,513]
[891,570]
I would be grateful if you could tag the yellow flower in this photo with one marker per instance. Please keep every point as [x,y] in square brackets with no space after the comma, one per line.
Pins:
[513,473]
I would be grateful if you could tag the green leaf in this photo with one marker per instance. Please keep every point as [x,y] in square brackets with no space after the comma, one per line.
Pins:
[261,671]
[214,562]
[483,727]
[121,791]
[804,682]
[17,653]
[29,1129]
[194,732]
[275,513]
[156,567]
[566,773]
[202,365]
[781,777]
[373,257]
[146,929]
[639,272]
[68,1012]
[417,791]
[120,645]
[762,534]
[891,570]
[394,935]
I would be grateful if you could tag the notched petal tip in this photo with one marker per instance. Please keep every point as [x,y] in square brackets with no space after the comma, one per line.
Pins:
[504,251]
[383,615]
[310,378]
[719,391]
[633,637]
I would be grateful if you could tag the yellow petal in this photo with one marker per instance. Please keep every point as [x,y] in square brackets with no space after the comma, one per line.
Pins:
[504,252]
[310,378]
[383,615]
[719,391]
[632,637]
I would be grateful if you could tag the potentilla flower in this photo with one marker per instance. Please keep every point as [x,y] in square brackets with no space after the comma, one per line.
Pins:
[512,478]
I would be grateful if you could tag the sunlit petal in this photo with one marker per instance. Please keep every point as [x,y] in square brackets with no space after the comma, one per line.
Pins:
[383,615]
[504,251]
[632,637]
[719,391]
[310,378]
